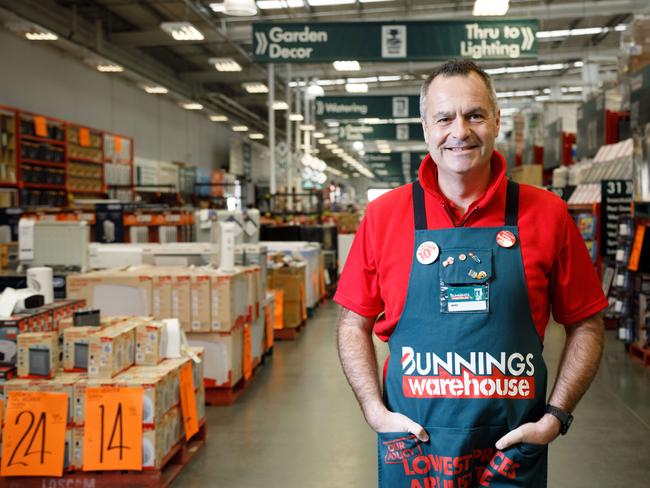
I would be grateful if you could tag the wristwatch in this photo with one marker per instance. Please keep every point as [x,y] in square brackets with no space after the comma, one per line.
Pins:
[565,418]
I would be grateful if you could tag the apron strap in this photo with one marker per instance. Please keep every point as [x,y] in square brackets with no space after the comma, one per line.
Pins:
[512,205]
[419,211]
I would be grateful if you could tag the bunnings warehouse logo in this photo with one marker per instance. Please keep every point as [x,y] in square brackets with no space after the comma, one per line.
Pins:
[485,42]
[278,35]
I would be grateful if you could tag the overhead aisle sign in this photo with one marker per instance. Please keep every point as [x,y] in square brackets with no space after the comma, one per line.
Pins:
[371,106]
[396,167]
[386,132]
[394,41]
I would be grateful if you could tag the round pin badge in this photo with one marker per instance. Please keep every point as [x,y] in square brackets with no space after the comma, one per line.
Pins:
[427,252]
[505,238]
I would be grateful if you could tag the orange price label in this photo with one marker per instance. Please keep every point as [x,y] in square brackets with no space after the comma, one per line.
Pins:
[113,431]
[188,401]
[84,137]
[40,126]
[303,301]
[269,327]
[118,145]
[248,357]
[278,309]
[635,255]
[33,440]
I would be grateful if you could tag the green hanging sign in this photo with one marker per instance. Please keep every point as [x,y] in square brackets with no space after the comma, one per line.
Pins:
[507,39]
[387,132]
[379,106]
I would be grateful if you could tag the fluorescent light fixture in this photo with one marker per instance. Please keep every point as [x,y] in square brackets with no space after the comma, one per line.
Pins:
[357,145]
[332,147]
[225,64]
[520,93]
[240,128]
[106,67]
[368,79]
[255,87]
[338,151]
[315,90]
[585,31]
[218,118]
[337,81]
[333,124]
[490,7]
[280,105]
[389,78]
[325,142]
[346,65]
[296,117]
[542,98]
[530,68]
[218,7]
[239,8]
[578,64]
[307,127]
[571,89]
[385,150]
[279,4]
[256,136]
[318,135]
[356,88]
[192,106]
[182,31]
[324,3]
[155,89]
[37,33]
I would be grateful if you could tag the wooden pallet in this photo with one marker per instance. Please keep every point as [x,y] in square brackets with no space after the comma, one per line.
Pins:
[177,459]
[290,333]
[641,353]
[223,396]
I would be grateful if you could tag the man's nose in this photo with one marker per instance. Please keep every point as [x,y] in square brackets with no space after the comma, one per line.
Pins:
[460,128]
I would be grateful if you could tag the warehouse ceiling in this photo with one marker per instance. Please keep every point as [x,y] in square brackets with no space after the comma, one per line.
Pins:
[129,33]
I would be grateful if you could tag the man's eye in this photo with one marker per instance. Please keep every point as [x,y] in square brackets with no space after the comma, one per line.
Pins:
[442,120]
[476,117]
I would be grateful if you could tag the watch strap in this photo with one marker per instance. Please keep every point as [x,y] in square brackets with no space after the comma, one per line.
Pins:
[565,418]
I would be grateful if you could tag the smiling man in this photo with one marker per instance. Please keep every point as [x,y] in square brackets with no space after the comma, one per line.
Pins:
[463,268]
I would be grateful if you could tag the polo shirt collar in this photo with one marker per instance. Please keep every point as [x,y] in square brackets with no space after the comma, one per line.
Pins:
[428,176]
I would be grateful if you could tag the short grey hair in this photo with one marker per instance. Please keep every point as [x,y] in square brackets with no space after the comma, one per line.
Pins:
[458,67]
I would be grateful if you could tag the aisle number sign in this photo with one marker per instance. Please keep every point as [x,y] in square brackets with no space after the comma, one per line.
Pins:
[113,431]
[392,41]
[33,438]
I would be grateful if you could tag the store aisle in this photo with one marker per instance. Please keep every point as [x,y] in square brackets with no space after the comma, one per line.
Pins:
[299,426]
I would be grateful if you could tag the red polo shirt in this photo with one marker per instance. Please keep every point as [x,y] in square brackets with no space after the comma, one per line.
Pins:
[558,269]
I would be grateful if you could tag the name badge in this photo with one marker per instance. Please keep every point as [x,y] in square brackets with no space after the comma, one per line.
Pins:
[469,298]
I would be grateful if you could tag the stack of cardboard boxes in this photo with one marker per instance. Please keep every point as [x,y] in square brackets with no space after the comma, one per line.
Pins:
[121,351]
[217,309]
[635,45]
[288,278]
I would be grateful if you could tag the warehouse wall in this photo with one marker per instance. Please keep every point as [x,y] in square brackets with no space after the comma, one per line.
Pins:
[39,78]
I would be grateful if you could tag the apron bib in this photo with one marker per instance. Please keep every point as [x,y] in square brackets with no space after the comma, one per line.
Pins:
[465,361]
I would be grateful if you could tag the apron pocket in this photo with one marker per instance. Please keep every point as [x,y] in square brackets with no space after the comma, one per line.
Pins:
[451,454]
[522,465]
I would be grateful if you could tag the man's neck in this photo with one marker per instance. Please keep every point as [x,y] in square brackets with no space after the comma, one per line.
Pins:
[464,189]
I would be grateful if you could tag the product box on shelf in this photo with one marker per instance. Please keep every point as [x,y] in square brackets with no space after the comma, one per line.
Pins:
[8,346]
[201,307]
[257,339]
[38,354]
[162,296]
[253,276]
[156,399]
[75,347]
[79,396]
[114,291]
[111,350]
[223,358]
[7,373]
[150,343]
[229,300]
[182,297]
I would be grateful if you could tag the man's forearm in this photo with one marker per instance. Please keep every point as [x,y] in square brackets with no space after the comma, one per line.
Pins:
[359,360]
[580,359]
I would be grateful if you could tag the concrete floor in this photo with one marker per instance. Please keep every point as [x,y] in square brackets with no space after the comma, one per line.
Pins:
[299,426]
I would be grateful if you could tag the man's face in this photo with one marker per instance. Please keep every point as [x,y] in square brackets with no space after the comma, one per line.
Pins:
[459,124]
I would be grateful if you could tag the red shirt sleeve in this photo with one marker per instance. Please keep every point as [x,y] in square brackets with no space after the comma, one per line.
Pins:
[575,288]
[358,287]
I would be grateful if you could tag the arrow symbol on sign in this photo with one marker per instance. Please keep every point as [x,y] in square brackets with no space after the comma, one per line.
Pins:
[262,43]
[529,38]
